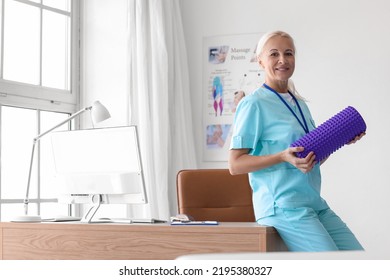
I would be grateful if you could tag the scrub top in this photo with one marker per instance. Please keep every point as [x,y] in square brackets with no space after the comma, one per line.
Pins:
[264,125]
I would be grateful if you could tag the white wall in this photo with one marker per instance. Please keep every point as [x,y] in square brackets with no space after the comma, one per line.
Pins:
[343,59]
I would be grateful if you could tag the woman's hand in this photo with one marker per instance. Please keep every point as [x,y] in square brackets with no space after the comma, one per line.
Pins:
[304,164]
[357,138]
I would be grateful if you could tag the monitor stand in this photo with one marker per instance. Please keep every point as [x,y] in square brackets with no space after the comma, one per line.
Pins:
[97,200]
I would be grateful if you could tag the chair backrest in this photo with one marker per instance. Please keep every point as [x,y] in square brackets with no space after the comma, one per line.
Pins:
[214,194]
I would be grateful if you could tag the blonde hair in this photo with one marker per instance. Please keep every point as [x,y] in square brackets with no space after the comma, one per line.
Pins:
[260,48]
[267,36]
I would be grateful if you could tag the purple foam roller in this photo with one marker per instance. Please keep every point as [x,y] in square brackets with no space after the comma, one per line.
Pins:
[332,134]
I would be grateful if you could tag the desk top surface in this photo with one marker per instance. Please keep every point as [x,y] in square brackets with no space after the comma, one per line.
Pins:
[226,227]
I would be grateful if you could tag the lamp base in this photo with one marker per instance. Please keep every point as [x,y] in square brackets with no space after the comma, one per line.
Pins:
[27,219]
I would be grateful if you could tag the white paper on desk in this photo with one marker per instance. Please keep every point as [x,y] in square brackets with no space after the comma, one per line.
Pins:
[196,223]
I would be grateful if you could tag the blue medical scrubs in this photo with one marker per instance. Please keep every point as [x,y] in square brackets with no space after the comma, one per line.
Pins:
[283,196]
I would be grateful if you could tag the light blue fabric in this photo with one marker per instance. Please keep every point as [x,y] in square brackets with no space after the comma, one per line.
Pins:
[264,125]
[303,229]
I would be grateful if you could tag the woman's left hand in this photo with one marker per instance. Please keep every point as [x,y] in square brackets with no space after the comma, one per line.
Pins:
[357,138]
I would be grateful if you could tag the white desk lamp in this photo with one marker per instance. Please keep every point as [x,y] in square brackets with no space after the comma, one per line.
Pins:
[99,113]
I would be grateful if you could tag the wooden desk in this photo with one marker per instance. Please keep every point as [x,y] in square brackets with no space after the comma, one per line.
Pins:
[47,241]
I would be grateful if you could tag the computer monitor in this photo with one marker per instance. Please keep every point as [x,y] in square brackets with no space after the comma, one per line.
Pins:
[99,166]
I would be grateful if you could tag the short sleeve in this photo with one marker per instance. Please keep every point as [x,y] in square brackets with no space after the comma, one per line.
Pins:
[247,124]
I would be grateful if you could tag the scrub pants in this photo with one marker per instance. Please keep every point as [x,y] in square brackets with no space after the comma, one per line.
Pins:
[304,229]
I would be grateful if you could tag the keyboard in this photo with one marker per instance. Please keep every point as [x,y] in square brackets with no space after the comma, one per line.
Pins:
[62,219]
[147,221]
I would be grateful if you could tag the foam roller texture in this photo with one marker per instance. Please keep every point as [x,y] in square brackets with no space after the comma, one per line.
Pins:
[332,134]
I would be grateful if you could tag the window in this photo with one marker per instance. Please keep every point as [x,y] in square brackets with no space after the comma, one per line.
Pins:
[18,127]
[39,50]
[38,88]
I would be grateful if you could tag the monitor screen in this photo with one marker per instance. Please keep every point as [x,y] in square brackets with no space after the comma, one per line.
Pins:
[99,164]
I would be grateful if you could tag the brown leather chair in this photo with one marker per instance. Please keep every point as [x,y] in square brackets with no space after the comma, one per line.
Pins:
[214,194]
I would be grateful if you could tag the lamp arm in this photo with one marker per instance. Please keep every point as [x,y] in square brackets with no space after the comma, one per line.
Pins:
[26,199]
[63,122]
[35,141]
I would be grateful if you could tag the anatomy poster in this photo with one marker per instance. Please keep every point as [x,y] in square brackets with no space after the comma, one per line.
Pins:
[230,72]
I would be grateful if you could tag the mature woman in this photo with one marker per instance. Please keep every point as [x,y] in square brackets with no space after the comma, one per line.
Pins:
[286,189]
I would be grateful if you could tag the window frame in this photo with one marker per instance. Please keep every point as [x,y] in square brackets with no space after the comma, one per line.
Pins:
[24,95]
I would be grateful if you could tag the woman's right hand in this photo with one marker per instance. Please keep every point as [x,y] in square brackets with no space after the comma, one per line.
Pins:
[304,164]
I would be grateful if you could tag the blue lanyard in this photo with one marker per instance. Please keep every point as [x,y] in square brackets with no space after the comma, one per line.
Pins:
[305,127]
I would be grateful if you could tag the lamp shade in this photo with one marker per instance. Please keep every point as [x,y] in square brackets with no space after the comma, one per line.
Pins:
[99,113]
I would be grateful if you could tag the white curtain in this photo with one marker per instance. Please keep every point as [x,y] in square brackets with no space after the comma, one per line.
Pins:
[159,99]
